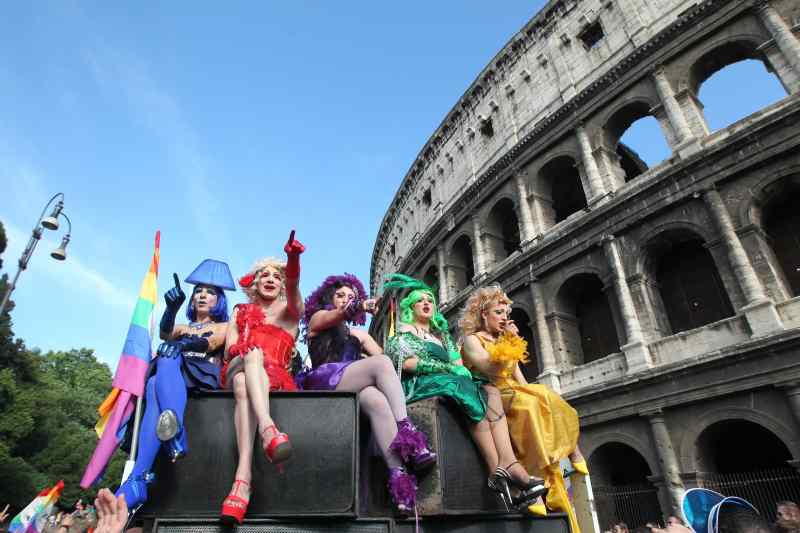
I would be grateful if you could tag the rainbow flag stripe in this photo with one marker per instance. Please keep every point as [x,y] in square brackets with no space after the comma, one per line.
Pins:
[33,517]
[136,352]
[129,378]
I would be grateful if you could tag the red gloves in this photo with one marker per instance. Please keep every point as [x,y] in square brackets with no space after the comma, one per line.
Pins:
[293,250]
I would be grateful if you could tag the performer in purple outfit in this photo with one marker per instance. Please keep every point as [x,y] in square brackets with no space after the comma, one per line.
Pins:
[338,364]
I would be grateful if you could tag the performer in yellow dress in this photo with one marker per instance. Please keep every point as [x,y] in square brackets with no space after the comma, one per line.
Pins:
[544,428]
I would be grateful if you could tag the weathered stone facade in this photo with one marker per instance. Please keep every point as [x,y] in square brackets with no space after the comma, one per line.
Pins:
[660,301]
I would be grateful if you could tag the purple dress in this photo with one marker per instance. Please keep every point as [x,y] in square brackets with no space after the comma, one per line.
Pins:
[331,352]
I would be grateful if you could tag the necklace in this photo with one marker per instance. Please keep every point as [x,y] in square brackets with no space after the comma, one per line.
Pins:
[198,325]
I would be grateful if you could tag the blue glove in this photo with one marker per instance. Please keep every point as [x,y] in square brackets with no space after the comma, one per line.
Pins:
[174,299]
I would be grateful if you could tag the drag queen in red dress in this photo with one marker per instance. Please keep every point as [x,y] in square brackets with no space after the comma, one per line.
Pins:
[258,350]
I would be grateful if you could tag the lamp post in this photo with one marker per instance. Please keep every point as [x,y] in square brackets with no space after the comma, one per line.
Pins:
[48,222]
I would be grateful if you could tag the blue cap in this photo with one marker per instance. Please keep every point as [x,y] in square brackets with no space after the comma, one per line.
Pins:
[212,272]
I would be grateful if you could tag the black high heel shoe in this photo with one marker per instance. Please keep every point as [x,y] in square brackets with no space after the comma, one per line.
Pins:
[529,492]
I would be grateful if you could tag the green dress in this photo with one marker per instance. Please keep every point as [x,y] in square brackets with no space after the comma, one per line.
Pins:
[444,379]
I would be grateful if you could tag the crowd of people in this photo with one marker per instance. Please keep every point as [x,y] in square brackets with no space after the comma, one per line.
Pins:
[734,519]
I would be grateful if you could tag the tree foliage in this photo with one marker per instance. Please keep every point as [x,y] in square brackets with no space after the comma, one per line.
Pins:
[48,409]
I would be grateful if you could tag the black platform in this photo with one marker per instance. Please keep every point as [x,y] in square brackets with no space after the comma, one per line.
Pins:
[320,478]
[332,482]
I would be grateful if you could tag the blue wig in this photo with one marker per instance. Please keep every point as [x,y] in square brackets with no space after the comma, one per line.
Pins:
[219,313]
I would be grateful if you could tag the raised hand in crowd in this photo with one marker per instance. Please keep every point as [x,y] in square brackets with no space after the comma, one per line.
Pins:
[4,514]
[112,513]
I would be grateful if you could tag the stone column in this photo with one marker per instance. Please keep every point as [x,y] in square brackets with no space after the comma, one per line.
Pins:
[784,38]
[478,252]
[527,227]
[677,120]
[636,353]
[443,281]
[759,310]
[669,461]
[549,370]
[593,177]
[793,395]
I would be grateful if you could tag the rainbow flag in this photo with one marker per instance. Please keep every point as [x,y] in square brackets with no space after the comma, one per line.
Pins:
[32,519]
[130,376]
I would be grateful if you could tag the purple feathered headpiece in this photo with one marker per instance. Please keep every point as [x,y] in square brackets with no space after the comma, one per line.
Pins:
[314,302]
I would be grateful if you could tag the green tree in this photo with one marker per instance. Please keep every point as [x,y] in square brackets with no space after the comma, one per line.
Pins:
[48,409]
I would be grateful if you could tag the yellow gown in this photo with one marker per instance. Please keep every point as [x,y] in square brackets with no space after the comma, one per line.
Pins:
[543,427]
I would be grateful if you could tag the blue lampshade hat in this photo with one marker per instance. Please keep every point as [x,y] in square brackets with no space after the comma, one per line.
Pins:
[701,508]
[212,272]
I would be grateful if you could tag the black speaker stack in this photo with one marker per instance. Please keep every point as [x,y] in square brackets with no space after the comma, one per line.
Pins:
[335,480]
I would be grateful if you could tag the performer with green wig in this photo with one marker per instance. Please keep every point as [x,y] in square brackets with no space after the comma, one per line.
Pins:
[430,365]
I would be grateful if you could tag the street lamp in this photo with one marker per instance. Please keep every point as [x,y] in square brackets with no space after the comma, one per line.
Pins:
[48,222]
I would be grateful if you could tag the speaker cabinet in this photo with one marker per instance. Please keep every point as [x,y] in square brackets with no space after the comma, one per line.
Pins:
[319,479]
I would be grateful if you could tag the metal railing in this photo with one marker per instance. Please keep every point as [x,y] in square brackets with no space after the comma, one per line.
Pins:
[633,504]
[763,488]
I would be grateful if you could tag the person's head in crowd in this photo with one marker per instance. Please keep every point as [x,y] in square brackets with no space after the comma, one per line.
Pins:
[736,519]
[787,516]
[620,527]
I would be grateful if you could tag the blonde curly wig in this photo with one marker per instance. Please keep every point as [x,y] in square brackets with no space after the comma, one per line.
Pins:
[257,269]
[478,302]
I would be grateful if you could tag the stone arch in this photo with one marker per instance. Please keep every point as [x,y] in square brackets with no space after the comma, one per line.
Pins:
[618,470]
[749,210]
[583,319]
[430,275]
[501,229]
[621,161]
[460,262]
[716,54]
[773,209]
[645,449]
[524,321]
[561,191]
[731,52]
[705,232]
[682,281]
[706,420]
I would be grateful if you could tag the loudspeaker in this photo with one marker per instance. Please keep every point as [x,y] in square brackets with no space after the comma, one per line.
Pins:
[319,479]
[329,525]
[456,485]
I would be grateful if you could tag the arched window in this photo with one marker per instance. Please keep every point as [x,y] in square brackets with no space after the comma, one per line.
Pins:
[502,230]
[636,137]
[522,321]
[782,225]
[745,459]
[562,189]
[733,81]
[431,276]
[461,266]
[585,320]
[622,491]
[691,291]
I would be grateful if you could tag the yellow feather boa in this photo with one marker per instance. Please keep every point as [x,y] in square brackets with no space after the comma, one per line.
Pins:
[508,350]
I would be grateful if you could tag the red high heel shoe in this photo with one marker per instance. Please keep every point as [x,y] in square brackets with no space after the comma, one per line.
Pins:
[234,507]
[278,449]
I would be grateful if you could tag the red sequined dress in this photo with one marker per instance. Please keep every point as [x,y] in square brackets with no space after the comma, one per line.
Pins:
[275,342]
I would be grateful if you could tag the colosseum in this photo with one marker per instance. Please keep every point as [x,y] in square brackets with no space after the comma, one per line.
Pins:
[662,302]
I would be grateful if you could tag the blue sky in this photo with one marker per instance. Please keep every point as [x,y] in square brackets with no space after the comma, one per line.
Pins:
[224,127]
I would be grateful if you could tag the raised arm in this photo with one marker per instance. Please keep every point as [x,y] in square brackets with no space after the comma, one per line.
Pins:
[325,319]
[174,299]
[294,300]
